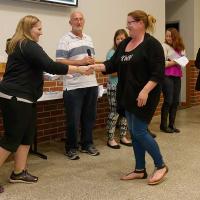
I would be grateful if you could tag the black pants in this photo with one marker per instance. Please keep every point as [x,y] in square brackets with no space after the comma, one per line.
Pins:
[171,93]
[80,106]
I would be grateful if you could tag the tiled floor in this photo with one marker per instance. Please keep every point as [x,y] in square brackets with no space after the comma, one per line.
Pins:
[97,178]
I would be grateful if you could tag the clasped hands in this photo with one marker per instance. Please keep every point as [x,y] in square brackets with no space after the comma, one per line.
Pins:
[87,66]
[86,70]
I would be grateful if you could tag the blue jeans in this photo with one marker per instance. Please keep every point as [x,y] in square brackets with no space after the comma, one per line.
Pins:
[142,141]
[80,106]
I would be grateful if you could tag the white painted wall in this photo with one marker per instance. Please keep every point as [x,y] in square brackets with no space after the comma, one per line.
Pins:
[187,12]
[103,17]
[196,26]
[183,11]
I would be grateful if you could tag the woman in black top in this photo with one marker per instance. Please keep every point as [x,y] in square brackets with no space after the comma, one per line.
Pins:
[197,64]
[139,62]
[20,89]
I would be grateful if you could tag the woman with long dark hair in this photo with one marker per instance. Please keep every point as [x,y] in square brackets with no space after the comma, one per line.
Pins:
[173,48]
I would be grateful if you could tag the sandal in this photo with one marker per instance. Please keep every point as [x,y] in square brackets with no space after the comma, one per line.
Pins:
[161,178]
[128,177]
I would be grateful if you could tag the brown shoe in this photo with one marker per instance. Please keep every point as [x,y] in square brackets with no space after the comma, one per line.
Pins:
[137,174]
[160,176]
[23,177]
[1,189]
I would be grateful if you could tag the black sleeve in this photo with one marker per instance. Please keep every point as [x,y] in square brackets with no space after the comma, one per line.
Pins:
[156,60]
[36,57]
[112,64]
[197,61]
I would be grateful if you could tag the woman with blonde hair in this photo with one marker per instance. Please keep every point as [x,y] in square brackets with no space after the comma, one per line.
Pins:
[20,89]
[139,62]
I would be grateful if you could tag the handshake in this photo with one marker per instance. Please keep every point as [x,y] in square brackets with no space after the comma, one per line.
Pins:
[89,69]
[87,65]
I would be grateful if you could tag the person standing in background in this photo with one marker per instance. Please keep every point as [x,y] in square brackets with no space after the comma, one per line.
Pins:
[197,64]
[113,116]
[139,62]
[80,92]
[20,88]
[173,48]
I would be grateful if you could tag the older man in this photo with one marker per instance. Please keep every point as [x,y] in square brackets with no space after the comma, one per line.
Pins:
[80,91]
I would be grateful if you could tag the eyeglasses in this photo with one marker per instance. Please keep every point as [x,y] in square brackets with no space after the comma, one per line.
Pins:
[78,19]
[130,22]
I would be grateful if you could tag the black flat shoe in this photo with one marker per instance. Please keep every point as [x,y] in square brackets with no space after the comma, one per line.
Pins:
[117,146]
[166,129]
[176,130]
[129,144]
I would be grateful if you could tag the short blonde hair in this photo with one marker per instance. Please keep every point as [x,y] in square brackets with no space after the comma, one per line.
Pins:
[23,31]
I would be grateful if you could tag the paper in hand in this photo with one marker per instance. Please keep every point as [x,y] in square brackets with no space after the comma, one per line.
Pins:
[182,61]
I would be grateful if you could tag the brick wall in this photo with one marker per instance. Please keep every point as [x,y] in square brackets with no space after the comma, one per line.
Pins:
[193,96]
[51,116]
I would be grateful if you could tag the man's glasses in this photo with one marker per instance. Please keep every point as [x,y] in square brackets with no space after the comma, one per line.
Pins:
[78,19]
